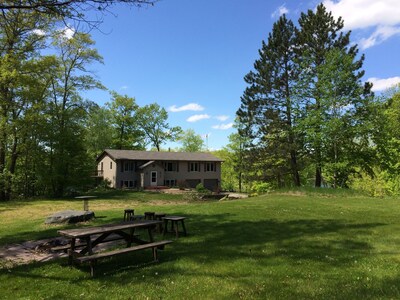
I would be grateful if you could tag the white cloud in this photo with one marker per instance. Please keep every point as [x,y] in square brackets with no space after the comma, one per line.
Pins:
[381,34]
[383,84]
[223,126]
[280,11]
[190,106]
[68,33]
[222,118]
[382,15]
[365,13]
[39,32]
[196,118]
[124,87]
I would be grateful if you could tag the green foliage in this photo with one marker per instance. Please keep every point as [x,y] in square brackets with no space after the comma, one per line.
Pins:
[261,187]
[153,121]
[382,183]
[98,131]
[267,113]
[229,176]
[201,189]
[23,83]
[124,121]
[305,106]
[191,141]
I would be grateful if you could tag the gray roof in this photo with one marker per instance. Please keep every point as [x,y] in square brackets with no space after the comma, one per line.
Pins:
[153,155]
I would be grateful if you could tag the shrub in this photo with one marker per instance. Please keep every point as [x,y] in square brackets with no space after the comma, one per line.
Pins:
[201,189]
[380,185]
[261,187]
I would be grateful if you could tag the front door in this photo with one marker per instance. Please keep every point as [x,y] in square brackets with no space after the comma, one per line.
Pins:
[153,179]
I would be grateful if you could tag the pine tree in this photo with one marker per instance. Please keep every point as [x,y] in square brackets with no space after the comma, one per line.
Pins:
[267,104]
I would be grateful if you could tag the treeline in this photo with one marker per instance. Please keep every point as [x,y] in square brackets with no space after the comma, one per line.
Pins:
[306,118]
[49,135]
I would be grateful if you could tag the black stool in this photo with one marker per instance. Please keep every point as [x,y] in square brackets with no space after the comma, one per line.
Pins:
[128,214]
[149,215]
[174,224]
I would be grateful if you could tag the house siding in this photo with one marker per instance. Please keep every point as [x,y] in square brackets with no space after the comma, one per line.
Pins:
[131,177]
[108,173]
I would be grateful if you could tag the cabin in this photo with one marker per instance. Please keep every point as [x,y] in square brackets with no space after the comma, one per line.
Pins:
[150,170]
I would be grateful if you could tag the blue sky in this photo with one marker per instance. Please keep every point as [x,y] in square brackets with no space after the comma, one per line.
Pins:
[190,56]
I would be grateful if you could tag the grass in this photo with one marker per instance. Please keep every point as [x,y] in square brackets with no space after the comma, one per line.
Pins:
[294,245]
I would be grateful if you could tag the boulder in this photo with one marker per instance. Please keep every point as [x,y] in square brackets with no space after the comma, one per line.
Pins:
[69,216]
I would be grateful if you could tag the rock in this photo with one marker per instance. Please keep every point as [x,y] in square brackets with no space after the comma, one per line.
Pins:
[69,216]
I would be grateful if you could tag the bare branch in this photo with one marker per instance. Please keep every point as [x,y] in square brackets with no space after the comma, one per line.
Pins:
[71,9]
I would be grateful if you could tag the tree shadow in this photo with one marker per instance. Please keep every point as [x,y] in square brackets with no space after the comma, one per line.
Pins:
[213,239]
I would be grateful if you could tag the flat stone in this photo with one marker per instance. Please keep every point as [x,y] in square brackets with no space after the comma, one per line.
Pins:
[69,216]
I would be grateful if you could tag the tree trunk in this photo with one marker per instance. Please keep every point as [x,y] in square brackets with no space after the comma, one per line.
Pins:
[295,171]
[3,147]
[318,176]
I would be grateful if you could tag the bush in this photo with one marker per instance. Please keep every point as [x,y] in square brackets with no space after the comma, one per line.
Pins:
[382,184]
[201,189]
[103,185]
[261,187]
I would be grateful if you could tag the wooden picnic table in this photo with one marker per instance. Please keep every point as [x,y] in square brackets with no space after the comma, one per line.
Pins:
[92,236]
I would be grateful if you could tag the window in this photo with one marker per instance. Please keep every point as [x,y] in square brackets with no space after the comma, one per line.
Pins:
[128,166]
[110,165]
[171,167]
[101,166]
[170,182]
[210,167]
[194,167]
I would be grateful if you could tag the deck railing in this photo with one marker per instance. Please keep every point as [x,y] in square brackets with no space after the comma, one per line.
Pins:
[98,173]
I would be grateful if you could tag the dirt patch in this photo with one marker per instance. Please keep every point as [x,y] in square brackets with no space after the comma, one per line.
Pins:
[41,251]
[31,251]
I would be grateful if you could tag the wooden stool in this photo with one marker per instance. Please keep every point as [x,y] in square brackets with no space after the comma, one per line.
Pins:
[128,214]
[174,224]
[149,215]
[159,217]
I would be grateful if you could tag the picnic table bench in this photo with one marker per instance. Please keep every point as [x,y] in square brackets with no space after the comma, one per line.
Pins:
[93,236]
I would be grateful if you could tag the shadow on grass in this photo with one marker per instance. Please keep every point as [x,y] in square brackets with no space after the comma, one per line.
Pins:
[218,239]
[330,241]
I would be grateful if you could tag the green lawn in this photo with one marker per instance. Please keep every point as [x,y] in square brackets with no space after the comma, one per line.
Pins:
[278,246]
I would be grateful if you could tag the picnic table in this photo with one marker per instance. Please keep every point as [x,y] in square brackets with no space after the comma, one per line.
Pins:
[93,236]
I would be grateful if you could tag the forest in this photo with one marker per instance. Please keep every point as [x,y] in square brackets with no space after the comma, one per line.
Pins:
[306,117]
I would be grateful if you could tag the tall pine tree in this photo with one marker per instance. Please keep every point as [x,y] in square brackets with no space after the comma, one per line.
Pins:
[267,103]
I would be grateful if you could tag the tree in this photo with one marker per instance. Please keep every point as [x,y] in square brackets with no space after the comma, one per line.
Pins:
[387,132]
[69,9]
[23,82]
[68,163]
[268,104]
[237,149]
[344,127]
[191,142]
[124,120]
[320,33]
[152,119]
[99,132]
